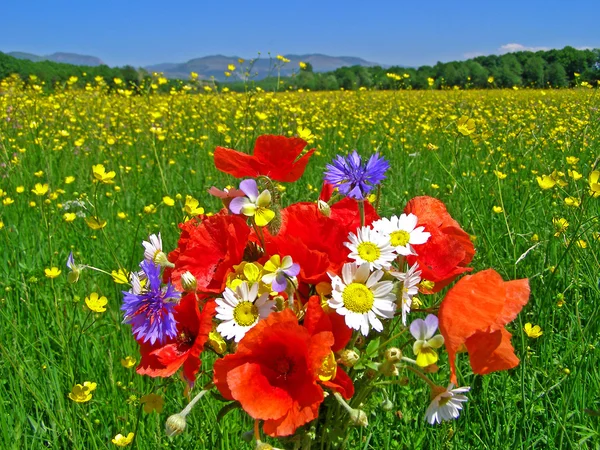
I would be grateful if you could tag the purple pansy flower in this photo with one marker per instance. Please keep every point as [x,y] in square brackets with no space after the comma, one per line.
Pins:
[280,271]
[150,310]
[353,178]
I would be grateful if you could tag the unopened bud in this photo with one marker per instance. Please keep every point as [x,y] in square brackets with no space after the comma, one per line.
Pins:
[188,281]
[387,405]
[175,425]
[348,357]
[388,369]
[264,446]
[324,208]
[359,418]
[393,355]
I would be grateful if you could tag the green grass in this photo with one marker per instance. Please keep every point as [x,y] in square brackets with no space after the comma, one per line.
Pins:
[49,341]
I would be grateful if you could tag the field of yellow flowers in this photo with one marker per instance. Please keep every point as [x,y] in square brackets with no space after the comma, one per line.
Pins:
[94,172]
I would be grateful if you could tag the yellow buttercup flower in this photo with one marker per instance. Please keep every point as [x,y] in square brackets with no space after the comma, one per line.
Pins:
[96,303]
[546,182]
[120,276]
[52,272]
[595,183]
[69,217]
[572,201]
[466,126]
[69,179]
[82,393]
[123,441]
[191,207]
[101,175]
[128,362]
[497,209]
[168,200]
[534,331]
[95,223]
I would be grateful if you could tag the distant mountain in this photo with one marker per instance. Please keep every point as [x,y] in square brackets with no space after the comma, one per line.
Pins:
[216,65]
[61,57]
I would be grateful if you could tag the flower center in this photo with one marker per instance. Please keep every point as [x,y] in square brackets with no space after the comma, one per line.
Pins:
[368,251]
[358,298]
[245,313]
[328,368]
[399,238]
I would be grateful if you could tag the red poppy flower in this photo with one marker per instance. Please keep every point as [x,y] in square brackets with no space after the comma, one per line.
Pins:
[473,315]
[274,156]
[274,373]
[193,327]
[209,248]
[448,250]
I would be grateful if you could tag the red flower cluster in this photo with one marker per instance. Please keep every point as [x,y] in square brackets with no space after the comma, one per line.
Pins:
[277,369]
[448,250]
[208,248]
[473,315]
[193,327]
[276,157]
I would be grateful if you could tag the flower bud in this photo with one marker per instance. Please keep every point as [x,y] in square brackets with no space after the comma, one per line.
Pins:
[359,418]
[348,357]
[188,281]
[388,369]
[387,405]
[393,355]
[324,208]
[175,425]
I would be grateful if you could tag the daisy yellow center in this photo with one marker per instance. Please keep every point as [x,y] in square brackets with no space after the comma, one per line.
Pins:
[368,251]
[245,313]
[399,238]
[358,298]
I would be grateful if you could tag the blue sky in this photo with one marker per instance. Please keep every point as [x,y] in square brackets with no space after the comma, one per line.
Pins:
[399,32]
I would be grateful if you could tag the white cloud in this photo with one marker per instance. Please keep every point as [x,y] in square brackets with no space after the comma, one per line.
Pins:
[513,47]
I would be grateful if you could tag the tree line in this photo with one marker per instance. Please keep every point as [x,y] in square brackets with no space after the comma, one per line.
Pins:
[542,69]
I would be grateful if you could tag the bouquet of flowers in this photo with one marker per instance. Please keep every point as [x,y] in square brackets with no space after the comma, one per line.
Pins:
[310,306]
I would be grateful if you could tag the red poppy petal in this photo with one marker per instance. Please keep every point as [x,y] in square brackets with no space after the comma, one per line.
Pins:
[490,352]
[298,415]
[235,163]
[278,156]
[517,296]
[251,388]
[342,383]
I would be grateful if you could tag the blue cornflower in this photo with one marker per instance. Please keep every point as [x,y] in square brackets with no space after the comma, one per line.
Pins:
[353,178]
[150,310]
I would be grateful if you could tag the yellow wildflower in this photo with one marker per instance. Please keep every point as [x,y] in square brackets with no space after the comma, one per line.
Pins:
[497,209]
[96,303]
[120,276]
[168,200]
[69,179]
[572,201]
[128,362]
[560,225]
[466,126]
[191,207]
[69,217]
[595,183]
[95,223]
[101,175]
[52,272]
[119,440]
[534,331]
[82,393]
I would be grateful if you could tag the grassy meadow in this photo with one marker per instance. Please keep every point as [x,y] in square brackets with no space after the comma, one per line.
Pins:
[160,146]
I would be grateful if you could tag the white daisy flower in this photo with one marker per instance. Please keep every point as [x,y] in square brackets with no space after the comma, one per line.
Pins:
[153,251]
[401,232]
[368,246]
[361,298]
[240,310]
[410,287]
[446,404]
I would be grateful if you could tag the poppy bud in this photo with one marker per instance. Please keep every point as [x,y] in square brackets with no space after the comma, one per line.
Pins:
[348,357]
[393,355]
[175,425]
